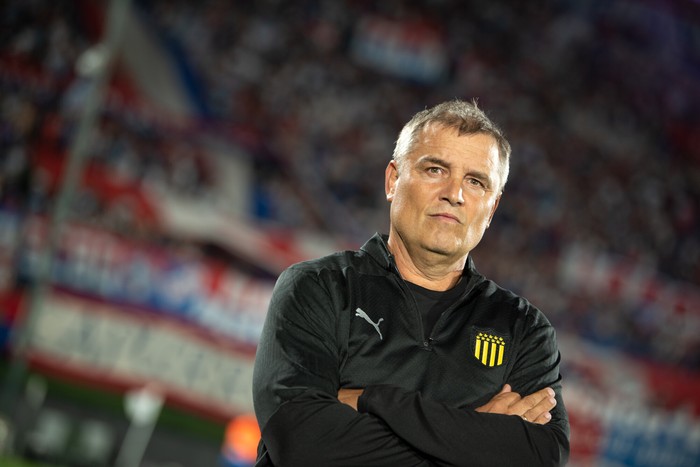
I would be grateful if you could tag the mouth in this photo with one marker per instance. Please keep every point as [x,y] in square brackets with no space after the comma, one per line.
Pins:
[447,217]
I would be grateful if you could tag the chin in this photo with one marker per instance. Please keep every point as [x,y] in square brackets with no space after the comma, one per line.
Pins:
[446,249]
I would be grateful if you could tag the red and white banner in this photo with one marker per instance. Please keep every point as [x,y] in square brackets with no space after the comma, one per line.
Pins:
[114,346]
[200,292]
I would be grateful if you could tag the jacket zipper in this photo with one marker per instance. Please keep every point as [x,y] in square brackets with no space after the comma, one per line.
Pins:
[425,344]
[443,317]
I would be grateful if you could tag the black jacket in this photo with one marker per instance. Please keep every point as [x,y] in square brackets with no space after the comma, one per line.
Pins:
[348,320]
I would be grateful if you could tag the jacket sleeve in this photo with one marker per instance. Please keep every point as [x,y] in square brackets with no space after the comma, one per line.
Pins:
[462,436]
[453,437]
[295,386]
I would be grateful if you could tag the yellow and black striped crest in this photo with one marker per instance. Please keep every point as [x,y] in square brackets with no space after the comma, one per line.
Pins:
[489,349]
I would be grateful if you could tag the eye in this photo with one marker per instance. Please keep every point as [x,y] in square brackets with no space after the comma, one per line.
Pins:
[434,170]
[476,182]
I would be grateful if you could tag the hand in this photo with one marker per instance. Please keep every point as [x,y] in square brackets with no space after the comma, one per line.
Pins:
[533,408]
[350,396]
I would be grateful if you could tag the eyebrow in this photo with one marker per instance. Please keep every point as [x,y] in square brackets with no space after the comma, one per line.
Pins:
[433,160]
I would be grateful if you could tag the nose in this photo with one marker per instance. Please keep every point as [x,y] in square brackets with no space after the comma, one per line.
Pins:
[453,192]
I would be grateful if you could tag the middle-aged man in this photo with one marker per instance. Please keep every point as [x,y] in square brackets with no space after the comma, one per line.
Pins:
[401,353]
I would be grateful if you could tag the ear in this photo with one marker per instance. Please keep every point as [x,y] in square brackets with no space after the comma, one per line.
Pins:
[391,175]
[493,210]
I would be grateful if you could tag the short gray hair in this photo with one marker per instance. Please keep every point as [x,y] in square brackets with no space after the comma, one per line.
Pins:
[465,117]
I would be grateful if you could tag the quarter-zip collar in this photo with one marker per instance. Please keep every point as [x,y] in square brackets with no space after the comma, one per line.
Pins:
[378,249]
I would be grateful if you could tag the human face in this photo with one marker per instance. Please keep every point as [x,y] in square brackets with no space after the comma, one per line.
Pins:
[444,193]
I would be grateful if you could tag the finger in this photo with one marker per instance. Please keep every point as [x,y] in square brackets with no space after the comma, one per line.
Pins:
[540,413]
[530,401]
[502,403]
[543,419]
[506,388]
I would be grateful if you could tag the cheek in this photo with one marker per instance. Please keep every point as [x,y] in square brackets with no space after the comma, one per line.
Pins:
[399,207]
[400,197]
[403,207]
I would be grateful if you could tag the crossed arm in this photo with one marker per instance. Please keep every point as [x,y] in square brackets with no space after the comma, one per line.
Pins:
[532,408]
[388,426]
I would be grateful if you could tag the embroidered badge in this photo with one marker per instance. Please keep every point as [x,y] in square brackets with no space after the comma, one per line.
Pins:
[489,349]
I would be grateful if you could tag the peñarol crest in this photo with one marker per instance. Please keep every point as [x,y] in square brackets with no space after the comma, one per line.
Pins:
[489,348]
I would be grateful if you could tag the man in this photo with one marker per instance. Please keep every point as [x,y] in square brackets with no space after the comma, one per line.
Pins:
[401,353]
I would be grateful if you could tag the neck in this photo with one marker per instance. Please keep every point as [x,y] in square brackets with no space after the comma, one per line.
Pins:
[426,268]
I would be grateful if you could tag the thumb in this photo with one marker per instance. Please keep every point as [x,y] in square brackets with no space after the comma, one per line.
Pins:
[506,388]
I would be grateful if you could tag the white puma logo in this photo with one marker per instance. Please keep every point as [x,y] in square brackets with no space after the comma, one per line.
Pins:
[359,312]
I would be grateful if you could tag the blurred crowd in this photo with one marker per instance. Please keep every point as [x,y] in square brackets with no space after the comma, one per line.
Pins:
[41,100]
[599,100]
